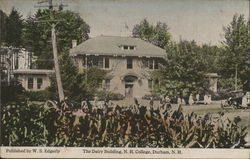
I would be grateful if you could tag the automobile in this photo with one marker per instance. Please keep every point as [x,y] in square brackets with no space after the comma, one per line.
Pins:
[235,100]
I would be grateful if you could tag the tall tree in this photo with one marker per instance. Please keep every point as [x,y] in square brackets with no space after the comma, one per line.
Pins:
[234,63]
[3,18]
[38,36]
[14,26]
[158,35]
[185,71]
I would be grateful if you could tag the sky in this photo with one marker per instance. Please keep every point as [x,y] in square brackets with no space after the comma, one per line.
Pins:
[199,20]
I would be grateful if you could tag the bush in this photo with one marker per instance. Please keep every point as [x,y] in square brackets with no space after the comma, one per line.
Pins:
[72,124]
[102,95]
[24,125]
[42,95]
[12,93]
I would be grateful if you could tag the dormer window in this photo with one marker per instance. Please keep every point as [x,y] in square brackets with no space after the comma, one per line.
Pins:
[131,47]
[127,47]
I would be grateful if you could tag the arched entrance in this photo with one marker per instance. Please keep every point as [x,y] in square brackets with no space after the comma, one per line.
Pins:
[129,85]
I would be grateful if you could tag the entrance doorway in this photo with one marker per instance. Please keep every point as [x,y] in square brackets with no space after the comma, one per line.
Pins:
[129,85]
[129,90]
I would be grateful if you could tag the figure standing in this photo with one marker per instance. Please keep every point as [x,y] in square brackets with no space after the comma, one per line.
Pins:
[191,100]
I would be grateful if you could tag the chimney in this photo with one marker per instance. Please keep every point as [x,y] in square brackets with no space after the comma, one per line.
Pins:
[74,43]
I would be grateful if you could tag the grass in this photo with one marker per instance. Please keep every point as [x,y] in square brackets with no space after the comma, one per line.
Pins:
[210,110]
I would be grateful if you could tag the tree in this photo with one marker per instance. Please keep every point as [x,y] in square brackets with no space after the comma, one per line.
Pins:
[94,79]
[14,26]
[185,71]
[3,18]
[158,35]
[75,85]
[212,55]
[37,35]
[73,81]
[234,60]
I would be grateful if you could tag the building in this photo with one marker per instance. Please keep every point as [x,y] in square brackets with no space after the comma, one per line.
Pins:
[128,62]
[15,58]
[17,62]
[34,79]
[213,81]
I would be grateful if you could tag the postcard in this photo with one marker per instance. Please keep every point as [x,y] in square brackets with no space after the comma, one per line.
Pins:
[125,78]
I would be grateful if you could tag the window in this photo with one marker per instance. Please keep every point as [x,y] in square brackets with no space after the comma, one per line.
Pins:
[156,64]
[131,47]
[106,62]
[99,83]
[150,63]
[39,83]
[30,83]
[107,84]
[125,47]
[150,84]
[98,62]
[156,83]
[129,63]
[128,47]
[16,61]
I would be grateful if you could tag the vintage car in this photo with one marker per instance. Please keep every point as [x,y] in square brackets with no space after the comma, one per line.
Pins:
[237,100]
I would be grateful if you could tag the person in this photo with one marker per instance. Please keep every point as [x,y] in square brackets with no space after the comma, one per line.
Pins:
[209,99]
[245,100]
[96,101]
[151,102]
[248,98]
[167,99]
[191,100]
[205,99]
[183,102]
[197,97]
[179,101]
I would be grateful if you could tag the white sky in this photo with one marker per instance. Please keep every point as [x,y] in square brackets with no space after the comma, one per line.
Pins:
[199,20]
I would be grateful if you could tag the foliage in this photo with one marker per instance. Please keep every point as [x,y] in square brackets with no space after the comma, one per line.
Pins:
[14,26]
[12,93]
[105,95]
[42,95]
[37,35]
[158,35]
[95,76]
[3,28]
[73,81]
[24,125]
[237,51]
[185,70]
[73,124]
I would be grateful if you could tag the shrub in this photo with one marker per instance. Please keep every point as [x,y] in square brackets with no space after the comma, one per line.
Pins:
[12,93]
[74,124]
[102,95]
[24,125]
[42,95]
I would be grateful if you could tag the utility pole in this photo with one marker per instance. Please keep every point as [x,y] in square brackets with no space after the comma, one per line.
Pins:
[53,24]
[236,77]
[57,68]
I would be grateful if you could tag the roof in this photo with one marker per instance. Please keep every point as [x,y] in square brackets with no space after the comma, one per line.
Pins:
[109,45]
[33,71]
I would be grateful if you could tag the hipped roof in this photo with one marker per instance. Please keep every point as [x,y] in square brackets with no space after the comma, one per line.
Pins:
[111,45]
